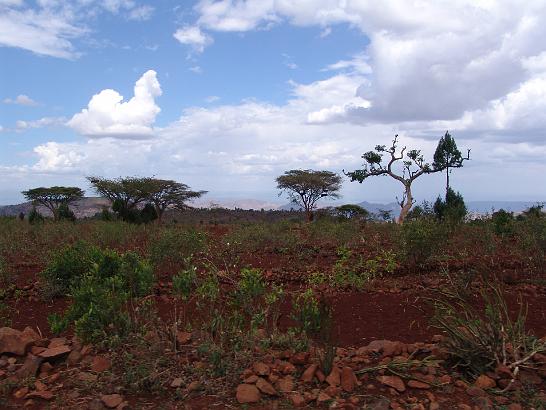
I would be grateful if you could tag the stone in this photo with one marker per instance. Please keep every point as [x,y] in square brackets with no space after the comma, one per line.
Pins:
[261,369]
[40,386]
[300,358]
[183,338]
[74,357]
[323,398]
[393,381]
[251,379]
[475,392]
[484,382]
[297,400]
[416,384]
[288,368]
[334,378]
[100,364]
[177,382]
[386,347]
[247,393]
[194,386]
[30,367]
[56,342]
[529,377]
[445,379]
[381,403]
[87,377]
[286,384]
[16,342]
[348,379]
[309,373]
[43,395]
[266,387]
[514,406]
[55,352]
[20,393]
[111,401]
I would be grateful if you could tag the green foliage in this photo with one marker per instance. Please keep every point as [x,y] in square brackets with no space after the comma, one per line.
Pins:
[174,245]
[452,210]
[421,239]
[185,281]
[305,187]
[533,212]
[423,211]
[65,213]
[351,211]
[67,266]
[313,314]
[503,222]
[248,291]
[54,197]
[100,298]
[34,216]
[480,340]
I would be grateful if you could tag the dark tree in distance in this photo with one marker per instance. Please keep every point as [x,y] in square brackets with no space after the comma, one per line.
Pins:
[54,198]
[448,156]
[124,193]
[453,209]
[305,187]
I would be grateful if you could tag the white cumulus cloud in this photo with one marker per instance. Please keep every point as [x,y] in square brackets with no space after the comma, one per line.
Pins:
[107,115]
[194,37]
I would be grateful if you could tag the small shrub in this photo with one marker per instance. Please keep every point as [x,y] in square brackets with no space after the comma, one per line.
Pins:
[479,341]
[421,239]
[175,245]
[185,281]
[104,300]
[67,266]
[34,216]
[503,222]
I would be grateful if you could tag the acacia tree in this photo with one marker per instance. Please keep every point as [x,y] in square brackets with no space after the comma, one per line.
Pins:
[413,166]
[447,156]
[124,193]
[305,187]
[54,198]
[165,194]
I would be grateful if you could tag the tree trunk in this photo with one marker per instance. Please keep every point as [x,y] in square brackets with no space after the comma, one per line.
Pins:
[447,181]
[406,207]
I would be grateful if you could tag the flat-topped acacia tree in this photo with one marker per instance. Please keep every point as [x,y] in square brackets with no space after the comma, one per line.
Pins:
[54,198]
[413,166]
[305,187]
[168,194]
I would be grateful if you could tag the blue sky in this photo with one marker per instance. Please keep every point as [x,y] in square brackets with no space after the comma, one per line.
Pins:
[232,93]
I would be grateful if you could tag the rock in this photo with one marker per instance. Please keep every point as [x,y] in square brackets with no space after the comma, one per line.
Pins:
[266,387]
[30,367]
[111,400]
[416,384]
[529,377]
[286,384]
[55,352]
[386,347]
[475,392]
[43,395]
[300,358]
[514,406]
[393,381]
[445,379]
[183,338]
[100,364]
[16,342]
[20,393]
[56,342]
[309,373]
[334,378]
[382,403]
[74,357]
[323,398]
[348,379]
[463,406]
[247,393]
[485,382]
[87,377]
[261,369]
[40,386]
[194,386]
[288,368]
[251,379]
[177,383]
[297,400]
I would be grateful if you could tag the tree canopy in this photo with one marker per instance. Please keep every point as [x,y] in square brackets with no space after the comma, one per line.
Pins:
[447,156]
[305,187]
[54,198]
[413,166]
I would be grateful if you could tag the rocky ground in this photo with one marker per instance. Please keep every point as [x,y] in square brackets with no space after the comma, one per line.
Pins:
[56,373]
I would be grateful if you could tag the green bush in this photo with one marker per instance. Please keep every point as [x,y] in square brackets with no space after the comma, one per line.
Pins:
[100,298]
[175,245]
[67,266]
[503,222]
[421,239]
[185,281]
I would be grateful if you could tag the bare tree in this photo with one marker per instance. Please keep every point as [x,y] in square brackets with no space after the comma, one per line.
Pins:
[305,187]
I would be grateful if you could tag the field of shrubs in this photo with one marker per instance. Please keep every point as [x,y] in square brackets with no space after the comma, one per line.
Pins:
[336,313]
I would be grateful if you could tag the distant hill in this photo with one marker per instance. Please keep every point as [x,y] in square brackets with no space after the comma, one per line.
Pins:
[83,208]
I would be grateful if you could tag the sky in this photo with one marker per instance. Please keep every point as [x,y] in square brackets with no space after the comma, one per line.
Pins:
[227,95]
